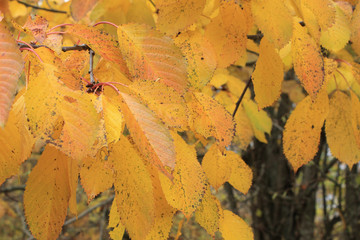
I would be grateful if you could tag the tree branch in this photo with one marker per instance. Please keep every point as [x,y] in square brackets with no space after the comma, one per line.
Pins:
[41,8]
[82,47]
[12,189]
[89,210]
[241,97]
[91,68]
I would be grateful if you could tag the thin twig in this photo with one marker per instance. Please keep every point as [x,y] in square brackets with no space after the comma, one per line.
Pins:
[41,8]
[12,189]
[81,47]
[91,68]
[241,97]
[89,210]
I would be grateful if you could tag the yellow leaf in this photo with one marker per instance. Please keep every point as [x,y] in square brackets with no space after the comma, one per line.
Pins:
[338,35]
[81,124]
[151,137]
[15,140]
[140,12]
[174,16]
[215,167]
[273,19]
[114,120]
[310,20]
[80,8]
[339,130]
[260,121]
[227,33]
[355,116]
[11,68]
[200,56]
[187,188]
[167,104]
[241,174]
[152,56]
[209,213]
[268,75]
[210,119]
[96,175]
[233,227]
[294,90]
[308,61]
[134,190]
[17,9]
[355,29]
[47,194]
[303,128]
[114,222]
[324,11]
[73,175]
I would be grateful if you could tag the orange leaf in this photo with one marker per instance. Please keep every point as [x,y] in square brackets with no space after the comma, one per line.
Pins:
[133,188]
[150,136]
[152,56]
[268,75]
[11,66]
[308,61]
[174,16]
[210,119]
[79,8]
[303,128]
[38,27]
[339,130]
[47,194]
[102,43]
[227,33]
[187,188]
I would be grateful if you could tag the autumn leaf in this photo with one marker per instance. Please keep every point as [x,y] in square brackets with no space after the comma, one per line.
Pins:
[152,138]
[227,33]
[308,61]
[302,130]
[268,75]
[339,130]
[150,55]
[11,67]
[174,16]
[37,27]
[80,8]
[47,195]
[233,227]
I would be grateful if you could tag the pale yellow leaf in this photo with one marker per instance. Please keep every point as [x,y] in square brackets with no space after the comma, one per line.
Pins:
[273,19]
[233,227]
[47,194]
[187,188]
[114,120]
[174,16]
[339,130]
[268,75]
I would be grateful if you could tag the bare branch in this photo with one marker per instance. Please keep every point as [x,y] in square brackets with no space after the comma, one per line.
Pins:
[41,8]
[241,97]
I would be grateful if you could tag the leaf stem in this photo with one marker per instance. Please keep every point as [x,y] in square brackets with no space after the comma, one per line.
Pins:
[105,22]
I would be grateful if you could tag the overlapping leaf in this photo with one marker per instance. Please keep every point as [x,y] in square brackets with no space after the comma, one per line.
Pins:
[47,195]
[11,66]
[152,56]
[174,16]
